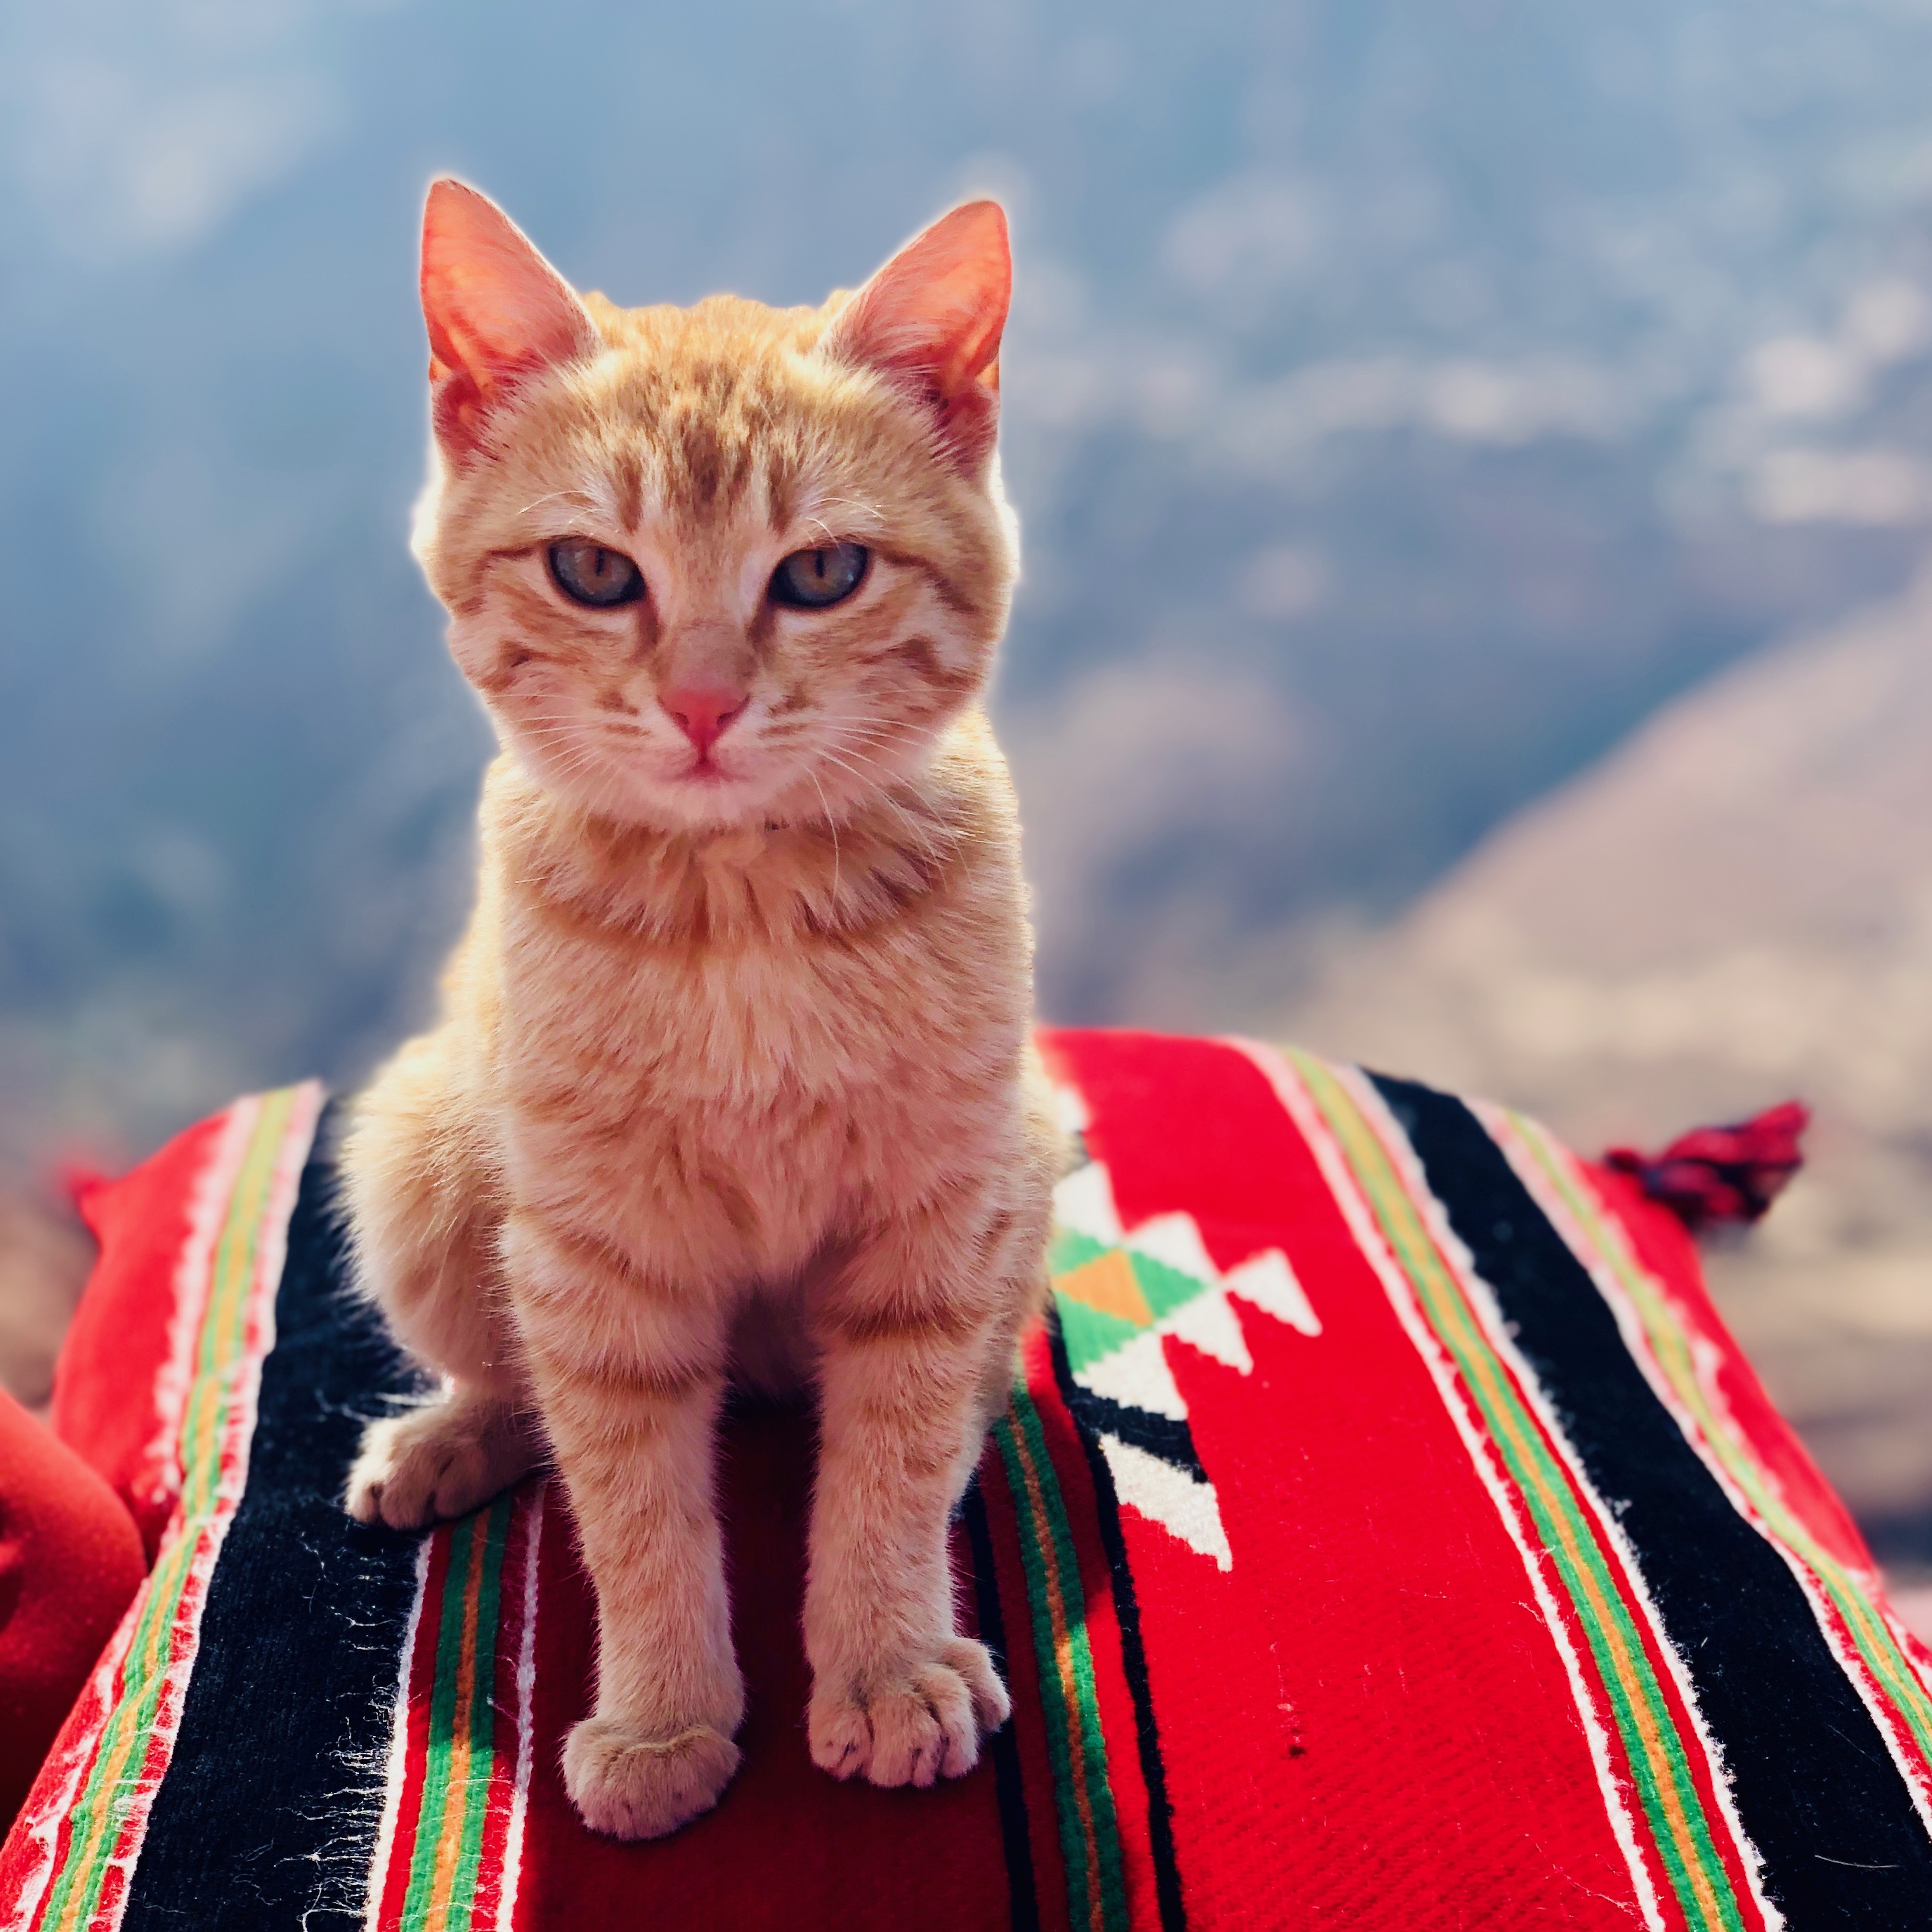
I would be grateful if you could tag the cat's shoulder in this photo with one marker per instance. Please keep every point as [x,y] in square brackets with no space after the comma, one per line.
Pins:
[970,778]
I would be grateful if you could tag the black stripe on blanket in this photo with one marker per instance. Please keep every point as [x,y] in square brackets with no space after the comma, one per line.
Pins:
[1003,1748]
[267,1816]
[1815,1788]
[1133,1650]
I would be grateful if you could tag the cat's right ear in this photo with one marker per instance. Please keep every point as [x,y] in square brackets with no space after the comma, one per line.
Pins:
[932,319]
[497,312]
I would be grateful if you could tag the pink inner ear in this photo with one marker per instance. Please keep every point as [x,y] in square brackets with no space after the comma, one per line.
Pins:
[935,313]
[495,308]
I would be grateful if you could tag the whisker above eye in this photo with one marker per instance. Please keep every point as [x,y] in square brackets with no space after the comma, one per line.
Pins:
[858,503]
[581,498]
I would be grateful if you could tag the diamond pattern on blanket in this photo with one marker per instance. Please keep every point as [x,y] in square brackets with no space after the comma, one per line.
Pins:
[1120,1293]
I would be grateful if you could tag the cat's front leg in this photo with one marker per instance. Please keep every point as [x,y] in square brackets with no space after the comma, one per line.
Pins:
[899,1696]
[629,1375]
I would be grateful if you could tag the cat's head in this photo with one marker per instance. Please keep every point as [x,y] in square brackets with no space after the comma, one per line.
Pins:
[711,565]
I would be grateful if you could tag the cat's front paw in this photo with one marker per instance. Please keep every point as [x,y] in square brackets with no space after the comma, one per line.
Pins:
[628,1786]
[436,1462]
[913,1726]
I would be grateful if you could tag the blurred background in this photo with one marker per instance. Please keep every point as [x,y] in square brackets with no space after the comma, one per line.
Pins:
[1475,458]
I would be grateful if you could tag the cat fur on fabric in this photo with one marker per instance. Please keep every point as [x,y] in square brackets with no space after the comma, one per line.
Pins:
[734,1079]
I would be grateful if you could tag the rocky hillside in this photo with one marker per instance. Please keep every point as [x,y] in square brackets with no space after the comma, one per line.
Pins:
[1735,907]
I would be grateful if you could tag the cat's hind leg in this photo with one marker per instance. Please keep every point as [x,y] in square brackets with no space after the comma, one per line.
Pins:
[423,1218]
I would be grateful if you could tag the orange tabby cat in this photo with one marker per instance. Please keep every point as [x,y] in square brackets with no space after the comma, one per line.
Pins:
[735,1078]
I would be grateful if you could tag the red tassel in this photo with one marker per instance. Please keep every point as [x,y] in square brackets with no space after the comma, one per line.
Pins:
[1712,1175]
[78,1181]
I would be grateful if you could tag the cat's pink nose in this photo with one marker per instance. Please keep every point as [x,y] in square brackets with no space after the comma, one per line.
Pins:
[701,712]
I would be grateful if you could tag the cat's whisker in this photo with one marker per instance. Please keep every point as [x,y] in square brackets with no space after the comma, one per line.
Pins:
[853,771]
[869,512]
[920,829]
[833,823]
[863,728]
[869,756]
[890,729]
[581,498]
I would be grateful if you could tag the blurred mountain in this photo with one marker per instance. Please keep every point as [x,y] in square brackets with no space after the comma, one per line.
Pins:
[1406,397]
[1735,908]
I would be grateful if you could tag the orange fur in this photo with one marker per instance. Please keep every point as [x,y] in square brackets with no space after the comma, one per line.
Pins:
[734,1077]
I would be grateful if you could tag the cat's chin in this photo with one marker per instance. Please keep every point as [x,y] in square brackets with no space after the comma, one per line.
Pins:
[691,808]
[703,803]
[698,812]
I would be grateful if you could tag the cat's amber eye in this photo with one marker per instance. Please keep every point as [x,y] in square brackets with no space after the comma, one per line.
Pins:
[593,575]
[809,580]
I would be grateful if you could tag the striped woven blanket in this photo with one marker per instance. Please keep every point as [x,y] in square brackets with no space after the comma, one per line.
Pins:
[1384,1533]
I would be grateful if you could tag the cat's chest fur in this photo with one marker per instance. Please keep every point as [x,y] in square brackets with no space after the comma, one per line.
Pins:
[721,1050]
[720,1029]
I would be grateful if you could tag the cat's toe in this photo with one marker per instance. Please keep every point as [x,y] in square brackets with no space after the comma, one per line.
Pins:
[914,1728]
[631,1787]
[431,1466]
[902,1733]
[388,1484]
[974,1664]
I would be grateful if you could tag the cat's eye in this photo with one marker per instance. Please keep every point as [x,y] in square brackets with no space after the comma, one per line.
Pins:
[593,575]
[809,580]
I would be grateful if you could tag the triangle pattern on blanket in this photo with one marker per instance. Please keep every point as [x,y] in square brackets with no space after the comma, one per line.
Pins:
[1119,1293]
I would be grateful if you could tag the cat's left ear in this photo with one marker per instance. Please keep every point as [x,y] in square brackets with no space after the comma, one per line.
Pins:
[932,318]
[497,312]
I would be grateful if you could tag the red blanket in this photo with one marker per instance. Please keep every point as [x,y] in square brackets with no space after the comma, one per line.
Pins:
[1384,1533]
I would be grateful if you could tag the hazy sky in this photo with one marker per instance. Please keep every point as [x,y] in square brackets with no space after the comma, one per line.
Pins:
[1402,400]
